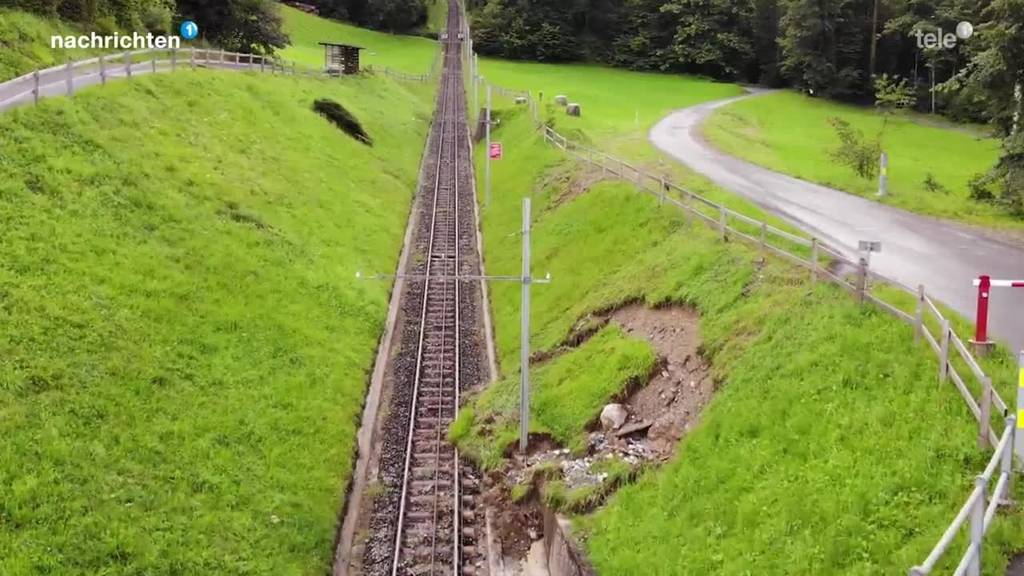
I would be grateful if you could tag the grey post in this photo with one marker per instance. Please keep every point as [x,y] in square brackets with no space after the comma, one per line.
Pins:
[664,191]
[487,165]
[944,352]
[919,313]
[985,417]
[69,78]
[222,58]
[687,207]
[192,58]
[128,64]
[524,336]
[722,222]
[174,59]
[883,175]
[263,63]
[764,240]
[154,62]
[814,260]
[977,526]
[103,69]
[35,87]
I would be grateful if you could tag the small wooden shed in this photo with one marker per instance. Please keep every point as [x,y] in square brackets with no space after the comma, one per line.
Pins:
[341,58]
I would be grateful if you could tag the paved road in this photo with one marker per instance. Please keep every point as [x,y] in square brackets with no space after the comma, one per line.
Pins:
[54,83]
[916,249]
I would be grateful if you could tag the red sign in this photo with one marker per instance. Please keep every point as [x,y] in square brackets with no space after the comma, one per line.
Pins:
[495,151]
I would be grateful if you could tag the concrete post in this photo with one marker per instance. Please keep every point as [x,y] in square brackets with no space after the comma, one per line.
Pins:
[103,70]
[883,175]
[977,526]
[35,87]
[524,336]
[128,64]
[487,165]
[69,78]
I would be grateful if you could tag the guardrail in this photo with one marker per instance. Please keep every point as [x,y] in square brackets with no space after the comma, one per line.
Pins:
[824,262]
[68,78]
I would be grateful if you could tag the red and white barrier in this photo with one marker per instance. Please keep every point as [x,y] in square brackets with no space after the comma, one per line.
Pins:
[985,284]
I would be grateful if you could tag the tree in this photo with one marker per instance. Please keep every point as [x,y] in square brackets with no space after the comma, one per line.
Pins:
[242,25]
[824,44]
[712,37]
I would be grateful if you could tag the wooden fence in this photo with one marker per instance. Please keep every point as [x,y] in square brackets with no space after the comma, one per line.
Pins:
[956,363]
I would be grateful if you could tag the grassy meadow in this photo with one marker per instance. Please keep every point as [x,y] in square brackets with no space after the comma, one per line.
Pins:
[829,449]
[412,54]
[25,43]
[183,349]
[790,133]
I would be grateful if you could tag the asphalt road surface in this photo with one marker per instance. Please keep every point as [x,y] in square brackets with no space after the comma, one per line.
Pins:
[944,256]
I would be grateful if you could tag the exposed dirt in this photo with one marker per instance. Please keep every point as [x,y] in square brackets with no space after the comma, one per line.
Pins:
[673,400]
[660,413]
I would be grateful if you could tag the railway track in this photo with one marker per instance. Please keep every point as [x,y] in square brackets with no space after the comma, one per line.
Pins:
[426,523]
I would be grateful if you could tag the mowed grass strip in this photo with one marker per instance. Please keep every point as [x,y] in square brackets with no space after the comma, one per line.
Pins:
[791,133]
[412,54]
[183,348]
[830,447]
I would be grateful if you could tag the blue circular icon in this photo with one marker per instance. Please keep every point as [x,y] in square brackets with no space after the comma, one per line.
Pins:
[189,30]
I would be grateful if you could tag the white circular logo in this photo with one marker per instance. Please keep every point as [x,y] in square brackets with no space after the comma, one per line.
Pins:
[964,30]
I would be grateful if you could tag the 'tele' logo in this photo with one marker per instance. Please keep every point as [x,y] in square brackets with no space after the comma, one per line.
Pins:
[189,30]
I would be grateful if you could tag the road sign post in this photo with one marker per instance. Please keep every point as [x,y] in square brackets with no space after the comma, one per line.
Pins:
[1018,445]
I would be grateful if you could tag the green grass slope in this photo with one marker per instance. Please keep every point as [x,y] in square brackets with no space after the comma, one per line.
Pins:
[829,449]
[411,54]
[790,133]
[183,349]
[25,43]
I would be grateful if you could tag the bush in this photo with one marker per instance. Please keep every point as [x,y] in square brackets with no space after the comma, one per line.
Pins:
[343,119]
[855,150]
[933,185]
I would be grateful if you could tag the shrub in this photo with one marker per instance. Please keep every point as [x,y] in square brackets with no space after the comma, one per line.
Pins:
[855,150]
[343,119]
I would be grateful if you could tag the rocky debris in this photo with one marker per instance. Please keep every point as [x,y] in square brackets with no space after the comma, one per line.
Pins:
[613,416]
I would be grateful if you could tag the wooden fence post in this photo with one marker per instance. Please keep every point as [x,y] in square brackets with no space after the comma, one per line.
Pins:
[944,352]
[723,222]
[263,64]
[174,59]
[985,421]
[814,260]
[664,191]
[69,78]
[192,58]
[35,87]
[919,313]
[103,70]
[154,61]
[128,64]
[977,525]
[764,242]
[862,278]
[688,207]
